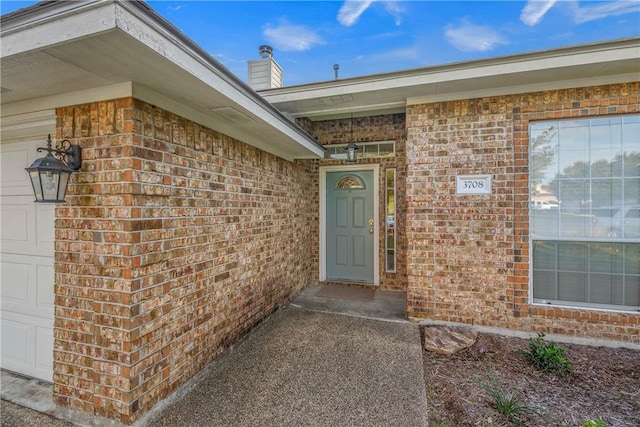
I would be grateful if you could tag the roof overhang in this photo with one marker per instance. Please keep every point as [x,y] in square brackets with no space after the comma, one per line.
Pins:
[63,53]
[578,66]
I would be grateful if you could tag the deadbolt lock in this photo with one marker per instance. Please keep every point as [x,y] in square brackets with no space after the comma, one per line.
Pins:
[371,221]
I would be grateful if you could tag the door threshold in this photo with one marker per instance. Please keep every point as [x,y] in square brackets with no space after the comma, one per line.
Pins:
[348,283]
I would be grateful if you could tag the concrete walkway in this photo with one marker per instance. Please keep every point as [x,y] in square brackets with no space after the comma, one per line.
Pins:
[304,367]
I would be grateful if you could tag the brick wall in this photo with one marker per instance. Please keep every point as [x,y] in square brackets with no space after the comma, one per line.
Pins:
[468,255]
[368,129]
[174,242]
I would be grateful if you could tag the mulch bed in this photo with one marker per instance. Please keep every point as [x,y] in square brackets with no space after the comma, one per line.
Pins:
[603,384]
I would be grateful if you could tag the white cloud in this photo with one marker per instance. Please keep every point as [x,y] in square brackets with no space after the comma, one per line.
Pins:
[603,10]
[289,37]
[351,10]
[535,10]
[473,38]
[395,9]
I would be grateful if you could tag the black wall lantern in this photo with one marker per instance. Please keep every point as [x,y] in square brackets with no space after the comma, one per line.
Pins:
[50,174]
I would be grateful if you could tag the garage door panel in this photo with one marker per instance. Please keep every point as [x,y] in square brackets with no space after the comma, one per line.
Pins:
[27,235]
[27,285]
[14,223]
[15,343]
[45,228]
[44,288]
[27,345]
[15,158]
[26,227]
[44,350]
[15,282]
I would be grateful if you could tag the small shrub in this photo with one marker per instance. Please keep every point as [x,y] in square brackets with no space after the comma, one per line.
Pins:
[547,356]
[594,423]
[507,402]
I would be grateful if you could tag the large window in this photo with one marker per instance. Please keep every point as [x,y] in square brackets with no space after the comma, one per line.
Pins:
[584,192]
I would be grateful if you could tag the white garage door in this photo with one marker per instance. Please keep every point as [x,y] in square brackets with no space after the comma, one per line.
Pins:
[26,267]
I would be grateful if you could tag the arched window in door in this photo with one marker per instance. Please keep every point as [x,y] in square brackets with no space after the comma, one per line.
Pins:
[350,182]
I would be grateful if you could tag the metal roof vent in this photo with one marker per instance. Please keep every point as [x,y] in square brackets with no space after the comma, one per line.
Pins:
[264,73]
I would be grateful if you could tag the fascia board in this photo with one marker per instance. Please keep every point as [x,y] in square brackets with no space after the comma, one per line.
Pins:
[541,62]
[525,88]
[54,23]
[160,36]
[146,94]
[38,28]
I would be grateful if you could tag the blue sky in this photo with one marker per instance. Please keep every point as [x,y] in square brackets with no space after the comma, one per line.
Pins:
[375,36]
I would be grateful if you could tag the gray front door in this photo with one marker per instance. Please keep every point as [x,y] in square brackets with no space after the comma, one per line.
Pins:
[350,226]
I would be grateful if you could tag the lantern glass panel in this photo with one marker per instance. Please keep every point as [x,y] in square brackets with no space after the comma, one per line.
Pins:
[50,181]
[36,184]
[351,154]
[62,185]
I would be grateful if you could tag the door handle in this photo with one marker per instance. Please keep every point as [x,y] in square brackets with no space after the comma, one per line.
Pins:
[371,231]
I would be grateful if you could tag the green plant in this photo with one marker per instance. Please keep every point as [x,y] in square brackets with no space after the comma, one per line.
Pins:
[547,356]
[597,422]
[508,403]
[431,394]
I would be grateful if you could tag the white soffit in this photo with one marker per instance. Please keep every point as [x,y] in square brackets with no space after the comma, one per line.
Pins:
[587,65]
[52,52]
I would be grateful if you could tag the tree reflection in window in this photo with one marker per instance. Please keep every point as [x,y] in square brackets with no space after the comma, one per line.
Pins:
[350,182]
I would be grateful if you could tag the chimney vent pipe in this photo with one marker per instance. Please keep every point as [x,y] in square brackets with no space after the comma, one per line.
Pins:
[265,51]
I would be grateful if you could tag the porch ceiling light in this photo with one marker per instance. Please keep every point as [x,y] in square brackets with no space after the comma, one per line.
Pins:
[352,152]
[352,148]
[50,174]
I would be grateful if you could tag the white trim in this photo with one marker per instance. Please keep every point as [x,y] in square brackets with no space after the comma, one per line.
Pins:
[323,216]
[527,87]
[57,26]
[571,305]
[575,66]
[362,155]
[34,125]
[96,94]
[395,220]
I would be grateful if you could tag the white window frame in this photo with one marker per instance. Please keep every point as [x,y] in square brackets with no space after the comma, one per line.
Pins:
[361,154]
[560,239]
[395,221]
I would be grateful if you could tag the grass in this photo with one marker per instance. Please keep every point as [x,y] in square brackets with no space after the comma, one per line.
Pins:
[594,423]
[507,402]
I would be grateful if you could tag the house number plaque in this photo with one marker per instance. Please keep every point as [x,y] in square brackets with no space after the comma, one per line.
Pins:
[473,184]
